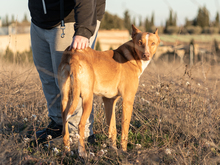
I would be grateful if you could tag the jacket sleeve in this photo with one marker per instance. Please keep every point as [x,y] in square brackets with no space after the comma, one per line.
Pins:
[85,17]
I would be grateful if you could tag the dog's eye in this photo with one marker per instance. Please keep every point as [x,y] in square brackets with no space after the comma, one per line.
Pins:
[153,43]
[140,42]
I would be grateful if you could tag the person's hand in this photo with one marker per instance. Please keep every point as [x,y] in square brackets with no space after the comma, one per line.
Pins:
[79,42]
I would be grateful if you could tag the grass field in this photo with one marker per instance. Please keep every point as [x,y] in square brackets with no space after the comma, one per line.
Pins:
[175,120]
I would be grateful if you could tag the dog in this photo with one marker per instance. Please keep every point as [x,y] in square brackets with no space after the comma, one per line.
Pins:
[111,74]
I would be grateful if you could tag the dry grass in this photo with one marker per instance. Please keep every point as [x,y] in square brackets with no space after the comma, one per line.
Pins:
[187,38]
[175,119]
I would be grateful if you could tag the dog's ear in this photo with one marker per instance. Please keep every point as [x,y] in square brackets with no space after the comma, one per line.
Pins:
[156,32]
[134,31]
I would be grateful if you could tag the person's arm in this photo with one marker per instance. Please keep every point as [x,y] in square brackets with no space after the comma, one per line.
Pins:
[85,17]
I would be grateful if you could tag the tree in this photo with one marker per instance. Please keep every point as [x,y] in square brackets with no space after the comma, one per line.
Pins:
[202,18]
[171,22]
[98,46]
[25,18]
[140,21]
[6,20]
[12,19]
[172,19]
[147,25]
[127,20]
[110,21]
[134,21]
[187,22]
[217,20]
[152,19]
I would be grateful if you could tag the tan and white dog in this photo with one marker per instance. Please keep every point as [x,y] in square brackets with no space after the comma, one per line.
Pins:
[111,74]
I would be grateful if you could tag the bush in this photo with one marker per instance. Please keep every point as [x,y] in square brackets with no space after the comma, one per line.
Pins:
[194,29]
[183,30]
[211,30]
[205,30]
[19,57]
[9,55]
[172,30]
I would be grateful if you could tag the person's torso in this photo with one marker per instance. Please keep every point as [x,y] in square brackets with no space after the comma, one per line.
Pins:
[47,15]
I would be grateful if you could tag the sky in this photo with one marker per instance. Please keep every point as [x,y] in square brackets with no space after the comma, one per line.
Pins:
[137,9]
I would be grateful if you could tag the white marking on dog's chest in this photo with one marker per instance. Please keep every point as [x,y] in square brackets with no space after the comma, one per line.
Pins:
[145,63]
[144,66]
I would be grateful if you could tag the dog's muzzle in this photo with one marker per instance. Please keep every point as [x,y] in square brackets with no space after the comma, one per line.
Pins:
[146,56]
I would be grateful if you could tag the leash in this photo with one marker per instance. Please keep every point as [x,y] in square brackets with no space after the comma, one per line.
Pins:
[62,26]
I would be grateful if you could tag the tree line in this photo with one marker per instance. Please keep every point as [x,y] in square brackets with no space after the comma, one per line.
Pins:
[6,21]
[200,24]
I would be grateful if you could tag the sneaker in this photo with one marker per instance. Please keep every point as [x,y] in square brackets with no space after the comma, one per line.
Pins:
[52,131]
[91,139]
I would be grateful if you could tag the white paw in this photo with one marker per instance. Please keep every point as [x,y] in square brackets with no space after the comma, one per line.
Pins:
[82,152]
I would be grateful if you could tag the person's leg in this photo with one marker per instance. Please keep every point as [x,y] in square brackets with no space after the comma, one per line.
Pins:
[44,66]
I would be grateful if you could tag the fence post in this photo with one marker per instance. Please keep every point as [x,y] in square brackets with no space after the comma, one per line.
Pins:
[191,55]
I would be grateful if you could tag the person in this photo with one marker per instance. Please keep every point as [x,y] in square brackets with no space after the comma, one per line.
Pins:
[82,20]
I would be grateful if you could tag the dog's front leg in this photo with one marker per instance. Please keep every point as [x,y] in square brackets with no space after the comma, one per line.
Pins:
[126,118]
[110,117]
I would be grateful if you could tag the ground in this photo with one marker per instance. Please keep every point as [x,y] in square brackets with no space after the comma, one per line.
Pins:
[175,119]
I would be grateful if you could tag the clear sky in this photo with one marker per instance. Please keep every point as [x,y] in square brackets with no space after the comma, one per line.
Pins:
[136,8]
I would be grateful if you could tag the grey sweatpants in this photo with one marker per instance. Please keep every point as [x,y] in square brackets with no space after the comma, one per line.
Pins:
[47,47]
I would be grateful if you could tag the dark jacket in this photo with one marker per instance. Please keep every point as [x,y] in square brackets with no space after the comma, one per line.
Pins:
[84,13]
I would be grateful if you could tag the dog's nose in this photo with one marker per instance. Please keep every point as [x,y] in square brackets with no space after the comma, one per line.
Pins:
[146,55]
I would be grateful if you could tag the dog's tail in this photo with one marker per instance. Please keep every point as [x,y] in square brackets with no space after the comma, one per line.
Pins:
[74,87]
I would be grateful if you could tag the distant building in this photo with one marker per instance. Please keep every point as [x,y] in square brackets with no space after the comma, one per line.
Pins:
[15,28]
[16,37]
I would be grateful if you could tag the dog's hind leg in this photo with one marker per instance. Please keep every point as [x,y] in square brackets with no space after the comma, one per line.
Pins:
[87,99]
[64,85]
[110,117]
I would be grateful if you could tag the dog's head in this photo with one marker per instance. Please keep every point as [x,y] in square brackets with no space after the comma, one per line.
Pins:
[145,43]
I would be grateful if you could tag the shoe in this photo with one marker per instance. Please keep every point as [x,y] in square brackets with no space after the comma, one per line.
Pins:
[52,131]
[91,139]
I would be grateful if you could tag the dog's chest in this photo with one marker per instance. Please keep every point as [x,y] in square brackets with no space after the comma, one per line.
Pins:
[144,65]
[105,92]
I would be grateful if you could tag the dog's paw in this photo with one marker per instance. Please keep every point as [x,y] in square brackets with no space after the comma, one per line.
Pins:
[67,149]
[82,153]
